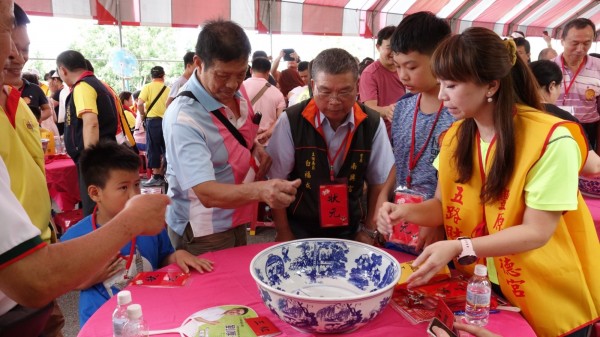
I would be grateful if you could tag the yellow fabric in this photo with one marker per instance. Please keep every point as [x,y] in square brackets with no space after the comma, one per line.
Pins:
[21,150]
[84,97]
[47,134]
[44,88]
[557,286]
[149,92]
[130,118]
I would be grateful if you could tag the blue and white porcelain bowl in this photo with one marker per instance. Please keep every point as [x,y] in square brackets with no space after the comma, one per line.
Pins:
[325,285]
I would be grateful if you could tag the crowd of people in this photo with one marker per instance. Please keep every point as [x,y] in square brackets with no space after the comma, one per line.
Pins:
[466,120]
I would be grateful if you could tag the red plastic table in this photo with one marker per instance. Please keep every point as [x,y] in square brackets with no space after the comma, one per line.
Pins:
[231,283]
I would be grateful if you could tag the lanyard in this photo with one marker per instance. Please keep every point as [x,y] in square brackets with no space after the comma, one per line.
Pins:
[12,103]
[568,88]
[337,153]
[412,158]
[131,250]
[481,228]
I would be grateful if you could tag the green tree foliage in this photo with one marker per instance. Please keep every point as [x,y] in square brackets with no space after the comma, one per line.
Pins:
[147,44]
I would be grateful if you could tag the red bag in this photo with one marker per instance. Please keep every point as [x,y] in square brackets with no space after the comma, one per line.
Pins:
[405,236]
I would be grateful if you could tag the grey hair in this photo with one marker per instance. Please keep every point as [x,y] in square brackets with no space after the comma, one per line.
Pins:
[334,61]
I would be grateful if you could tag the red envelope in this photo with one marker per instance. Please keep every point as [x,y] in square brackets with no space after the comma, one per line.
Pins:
[262,326]
[160,279]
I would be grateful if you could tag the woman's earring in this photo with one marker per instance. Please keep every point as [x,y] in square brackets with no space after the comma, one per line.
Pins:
[489,99]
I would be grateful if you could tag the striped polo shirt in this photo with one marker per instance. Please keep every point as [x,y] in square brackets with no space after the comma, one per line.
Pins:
[583,94]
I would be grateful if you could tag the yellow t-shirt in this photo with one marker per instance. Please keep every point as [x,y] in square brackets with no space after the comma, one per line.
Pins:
[149,92]
[21,150]
[130,118]
[85,97]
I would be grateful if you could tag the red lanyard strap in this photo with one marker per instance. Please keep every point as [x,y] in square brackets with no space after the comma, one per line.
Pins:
[412,158]
[568,88]
[337,153]
[131,250]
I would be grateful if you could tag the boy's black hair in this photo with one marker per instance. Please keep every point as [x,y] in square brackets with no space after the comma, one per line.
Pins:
[420,32]
[97,161]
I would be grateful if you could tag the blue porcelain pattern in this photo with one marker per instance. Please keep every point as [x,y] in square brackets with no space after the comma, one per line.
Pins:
[275,269]
[321,259]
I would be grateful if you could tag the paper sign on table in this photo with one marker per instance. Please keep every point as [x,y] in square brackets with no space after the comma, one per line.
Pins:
[262,326]
[160,279]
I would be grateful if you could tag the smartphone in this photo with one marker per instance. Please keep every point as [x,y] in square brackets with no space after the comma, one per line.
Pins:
[287,56]
[436,322]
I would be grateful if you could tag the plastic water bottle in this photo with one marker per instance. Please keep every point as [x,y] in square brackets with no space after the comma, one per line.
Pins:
[119,317]
[58,148]
[136,326]
[479,291]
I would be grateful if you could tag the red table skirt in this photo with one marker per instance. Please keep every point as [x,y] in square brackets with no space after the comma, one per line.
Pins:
[231,283]
[62,181]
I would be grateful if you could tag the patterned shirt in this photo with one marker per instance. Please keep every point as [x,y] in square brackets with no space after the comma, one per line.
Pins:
[424,175]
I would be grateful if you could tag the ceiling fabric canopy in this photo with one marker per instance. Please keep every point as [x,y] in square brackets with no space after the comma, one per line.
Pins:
[327,17]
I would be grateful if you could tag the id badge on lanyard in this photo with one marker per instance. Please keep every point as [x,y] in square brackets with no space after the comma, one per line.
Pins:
[333,202]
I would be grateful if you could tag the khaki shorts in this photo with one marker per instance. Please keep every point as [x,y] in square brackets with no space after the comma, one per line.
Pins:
[234,237]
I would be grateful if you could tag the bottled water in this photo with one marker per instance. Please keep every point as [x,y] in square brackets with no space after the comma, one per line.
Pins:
[479,291]
[136,326]
[119,317]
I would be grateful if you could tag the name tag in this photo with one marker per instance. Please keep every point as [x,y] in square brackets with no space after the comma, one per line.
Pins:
[333,202]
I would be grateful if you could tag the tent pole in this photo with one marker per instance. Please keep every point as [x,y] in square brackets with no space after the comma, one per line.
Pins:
[270,27]
[124,85]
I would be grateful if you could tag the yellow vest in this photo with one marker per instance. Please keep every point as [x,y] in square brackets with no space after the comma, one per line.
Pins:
[557,286]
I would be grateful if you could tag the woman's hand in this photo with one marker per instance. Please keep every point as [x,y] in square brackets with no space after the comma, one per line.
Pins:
[472,329]
[433,258]
[388,215]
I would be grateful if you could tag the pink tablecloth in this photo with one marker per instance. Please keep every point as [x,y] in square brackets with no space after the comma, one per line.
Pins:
[61,177]
[594,206]
[231,283]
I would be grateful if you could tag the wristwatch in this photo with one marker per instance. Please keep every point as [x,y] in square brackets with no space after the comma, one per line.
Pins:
[467,255]
[371,233]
